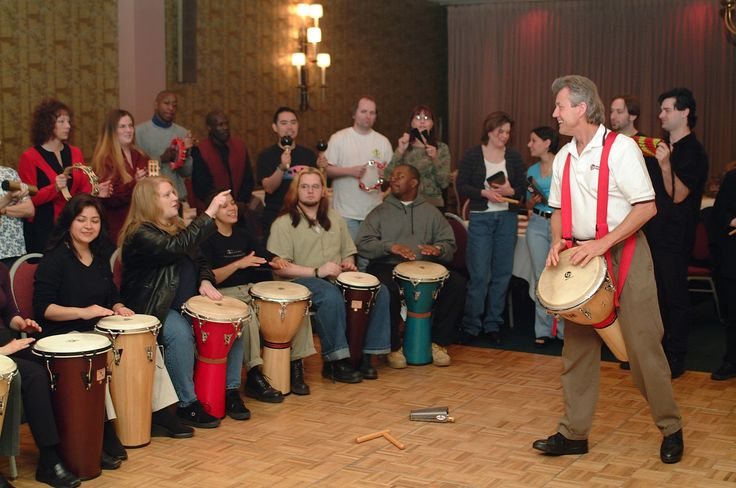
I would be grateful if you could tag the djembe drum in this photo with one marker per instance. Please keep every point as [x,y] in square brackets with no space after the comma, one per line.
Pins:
[583,295]
[359,291]
[8,370]
[132,370]
[217,325]
[280,307]
[78,377]
[419,284]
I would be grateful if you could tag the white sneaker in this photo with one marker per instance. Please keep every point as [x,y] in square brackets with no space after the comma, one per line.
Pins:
[440,356]
[396,359]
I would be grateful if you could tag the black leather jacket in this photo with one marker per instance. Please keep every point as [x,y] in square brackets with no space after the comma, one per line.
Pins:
[151,260]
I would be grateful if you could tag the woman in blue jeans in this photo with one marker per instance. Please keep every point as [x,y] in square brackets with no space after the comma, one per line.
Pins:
[543,144]
[492,176]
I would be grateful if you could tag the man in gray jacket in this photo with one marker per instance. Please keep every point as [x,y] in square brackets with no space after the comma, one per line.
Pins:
[405,227]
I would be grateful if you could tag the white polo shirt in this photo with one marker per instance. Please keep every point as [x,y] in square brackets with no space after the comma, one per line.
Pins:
[628,183]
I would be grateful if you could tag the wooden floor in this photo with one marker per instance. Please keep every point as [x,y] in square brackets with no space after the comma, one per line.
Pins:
[502,402]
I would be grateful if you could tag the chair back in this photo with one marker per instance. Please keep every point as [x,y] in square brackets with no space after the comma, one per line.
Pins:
[22,274]
[461,242]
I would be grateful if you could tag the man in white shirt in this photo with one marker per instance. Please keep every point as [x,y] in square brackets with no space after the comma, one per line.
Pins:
[580,114]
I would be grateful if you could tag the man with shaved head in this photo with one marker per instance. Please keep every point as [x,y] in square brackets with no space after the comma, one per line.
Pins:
[155,138]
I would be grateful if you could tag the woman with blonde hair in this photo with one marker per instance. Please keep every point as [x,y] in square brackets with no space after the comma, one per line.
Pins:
[119,160]
[162,269]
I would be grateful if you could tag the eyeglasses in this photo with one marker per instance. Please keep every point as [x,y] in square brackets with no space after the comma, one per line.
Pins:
[422,117]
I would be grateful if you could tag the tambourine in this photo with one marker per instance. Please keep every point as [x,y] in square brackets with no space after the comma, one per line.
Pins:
[372,180]
[177,144]
[93,180]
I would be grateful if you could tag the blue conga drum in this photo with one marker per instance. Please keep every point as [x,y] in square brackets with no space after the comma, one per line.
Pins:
[419,283]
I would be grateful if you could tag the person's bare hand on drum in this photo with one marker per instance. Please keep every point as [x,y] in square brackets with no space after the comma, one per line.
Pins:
[94,311]
[105,189]
[29,326]
[585,251]
[218,201]
[61,181]
[403,251]
[348,264]
[329,270]
[251,260]
[359,170]
[279,263]
[122,310]
[207,289]
[553,257]
[429,250]
[16,345]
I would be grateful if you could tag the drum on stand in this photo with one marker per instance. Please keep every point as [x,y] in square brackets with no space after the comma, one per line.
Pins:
[583,295]
[359,291]
[419,283]
[280,307]
[78,376]
[8,370]
[217,325]
[132,369]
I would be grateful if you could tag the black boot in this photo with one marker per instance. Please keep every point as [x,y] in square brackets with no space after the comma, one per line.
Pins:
[367,369]
[341,371]
[257,386]
[298,386]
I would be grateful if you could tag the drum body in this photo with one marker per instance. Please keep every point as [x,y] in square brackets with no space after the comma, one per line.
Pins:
[359,291]
[583,295]
[280,307]
[132,369]
[78,376]
[8,370]
[217,325]
[419,283]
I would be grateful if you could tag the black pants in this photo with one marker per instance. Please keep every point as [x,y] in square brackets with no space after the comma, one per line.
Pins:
[727,296]
[670,272]
[37,399]
[448,310]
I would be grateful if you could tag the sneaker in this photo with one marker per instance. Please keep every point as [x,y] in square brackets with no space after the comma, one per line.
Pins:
[195,416]
[396,359]
[439,355]
[234,405]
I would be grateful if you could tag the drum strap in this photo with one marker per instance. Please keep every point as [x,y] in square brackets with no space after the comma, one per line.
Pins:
[601,228]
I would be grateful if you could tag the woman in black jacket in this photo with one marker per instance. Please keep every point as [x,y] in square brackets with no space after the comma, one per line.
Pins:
[162,269]
[490,176]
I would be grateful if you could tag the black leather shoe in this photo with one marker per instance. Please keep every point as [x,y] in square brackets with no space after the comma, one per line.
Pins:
[677,364]
[366,368]
[195,416]
[111,443]
[58,476]
[234,405]
[341,371]
[559,445]
[4,483]
[672,448]
[494,337]
[257,386]
[298,386]
[109,462]
[465,338]
[166,424]
[725,371]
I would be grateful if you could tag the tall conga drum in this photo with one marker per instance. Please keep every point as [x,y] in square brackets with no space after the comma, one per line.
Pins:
[217,325]
[78,377]
[583,295]
[8,370]
[359,291]
[132,368]
[280,307]
[419,283]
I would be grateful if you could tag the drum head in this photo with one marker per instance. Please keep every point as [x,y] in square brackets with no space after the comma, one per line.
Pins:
[420,271]
[280,291]
[356,279]
[227,309]
[566,286]
[72,345]
[134,324]
[7,366]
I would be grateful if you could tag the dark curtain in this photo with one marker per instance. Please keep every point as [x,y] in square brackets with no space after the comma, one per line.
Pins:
[505,55]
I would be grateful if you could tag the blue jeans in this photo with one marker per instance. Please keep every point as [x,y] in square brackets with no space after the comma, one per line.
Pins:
[353,226]
[329,306]
[178,341]
[489,259]
[539,240]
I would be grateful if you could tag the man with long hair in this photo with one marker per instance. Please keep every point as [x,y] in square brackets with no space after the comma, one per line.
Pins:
[316,240]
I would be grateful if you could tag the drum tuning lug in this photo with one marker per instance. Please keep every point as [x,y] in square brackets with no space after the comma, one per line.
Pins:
[117,355]
[205,335]
[417,294]
[149,353]
[52,377]
[87,377]
[283,312]
[227,339]
[586,313]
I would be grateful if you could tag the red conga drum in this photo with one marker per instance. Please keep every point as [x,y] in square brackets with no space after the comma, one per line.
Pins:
[359,290]
[217,325]
[78,377]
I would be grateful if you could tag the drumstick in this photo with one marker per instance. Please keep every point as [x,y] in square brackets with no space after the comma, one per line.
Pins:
[733,231]
[370,437]
[393,440]
[510,200]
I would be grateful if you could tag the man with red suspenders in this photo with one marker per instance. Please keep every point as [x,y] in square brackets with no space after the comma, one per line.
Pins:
[606,223]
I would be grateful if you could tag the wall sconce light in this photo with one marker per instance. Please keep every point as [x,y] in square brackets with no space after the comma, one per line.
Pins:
[309,35]
[729,15]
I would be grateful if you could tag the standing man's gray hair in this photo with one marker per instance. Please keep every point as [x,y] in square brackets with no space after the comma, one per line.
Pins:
[582,90]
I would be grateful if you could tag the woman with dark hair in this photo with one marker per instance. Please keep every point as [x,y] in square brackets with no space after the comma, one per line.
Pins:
[119,160]
[43,166]
[420,147]
[543,144]
[491,176]
[162,269]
